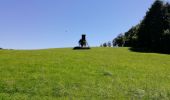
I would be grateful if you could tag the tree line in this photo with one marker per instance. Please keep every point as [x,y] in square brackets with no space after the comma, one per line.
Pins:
[152,33]
[106,44]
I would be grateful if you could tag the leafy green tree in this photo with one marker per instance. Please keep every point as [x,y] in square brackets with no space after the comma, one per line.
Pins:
[104,44]
[119,40]
[130,37]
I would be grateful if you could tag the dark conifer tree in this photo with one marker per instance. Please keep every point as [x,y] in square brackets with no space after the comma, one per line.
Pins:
[165,38]
[151,27]
[153,33]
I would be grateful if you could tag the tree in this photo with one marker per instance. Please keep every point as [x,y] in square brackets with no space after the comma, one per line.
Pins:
[151,27]
[109,44]
[165,38]
[153,32]
[104,44]
[131,37]
[119,40]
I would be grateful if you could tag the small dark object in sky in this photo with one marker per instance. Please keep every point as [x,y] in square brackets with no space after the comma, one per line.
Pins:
[82,43]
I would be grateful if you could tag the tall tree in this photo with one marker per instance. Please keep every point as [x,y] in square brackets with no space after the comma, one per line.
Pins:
[151,27]
[165,38]
[152,33]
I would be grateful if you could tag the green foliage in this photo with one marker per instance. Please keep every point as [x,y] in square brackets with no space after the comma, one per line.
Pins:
[131,37]
[96,74]
[152,32]
[104,45]
[152,27]
[128,39]
[119,41]
[109,44]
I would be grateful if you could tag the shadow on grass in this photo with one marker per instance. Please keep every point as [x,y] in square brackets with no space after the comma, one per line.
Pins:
[145,50]
[81,48]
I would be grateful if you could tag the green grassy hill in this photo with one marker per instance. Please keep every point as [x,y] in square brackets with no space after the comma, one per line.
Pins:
[99,73]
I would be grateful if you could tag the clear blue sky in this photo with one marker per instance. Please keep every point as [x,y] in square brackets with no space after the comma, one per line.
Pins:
[35,24]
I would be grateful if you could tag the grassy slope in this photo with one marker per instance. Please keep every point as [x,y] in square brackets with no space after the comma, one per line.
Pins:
[99,73]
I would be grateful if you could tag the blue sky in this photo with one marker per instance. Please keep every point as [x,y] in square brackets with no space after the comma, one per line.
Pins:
[36,24]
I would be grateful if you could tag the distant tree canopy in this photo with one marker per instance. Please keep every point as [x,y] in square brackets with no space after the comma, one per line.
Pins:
[152,33]
[119,41]
[106,44]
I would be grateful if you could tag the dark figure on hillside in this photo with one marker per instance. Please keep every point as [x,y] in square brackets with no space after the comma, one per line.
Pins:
[82,43]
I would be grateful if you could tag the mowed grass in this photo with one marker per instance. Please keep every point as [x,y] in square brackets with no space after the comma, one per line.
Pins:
[96,74]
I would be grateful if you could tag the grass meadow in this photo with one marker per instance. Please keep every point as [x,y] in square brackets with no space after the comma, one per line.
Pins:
[96,74]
